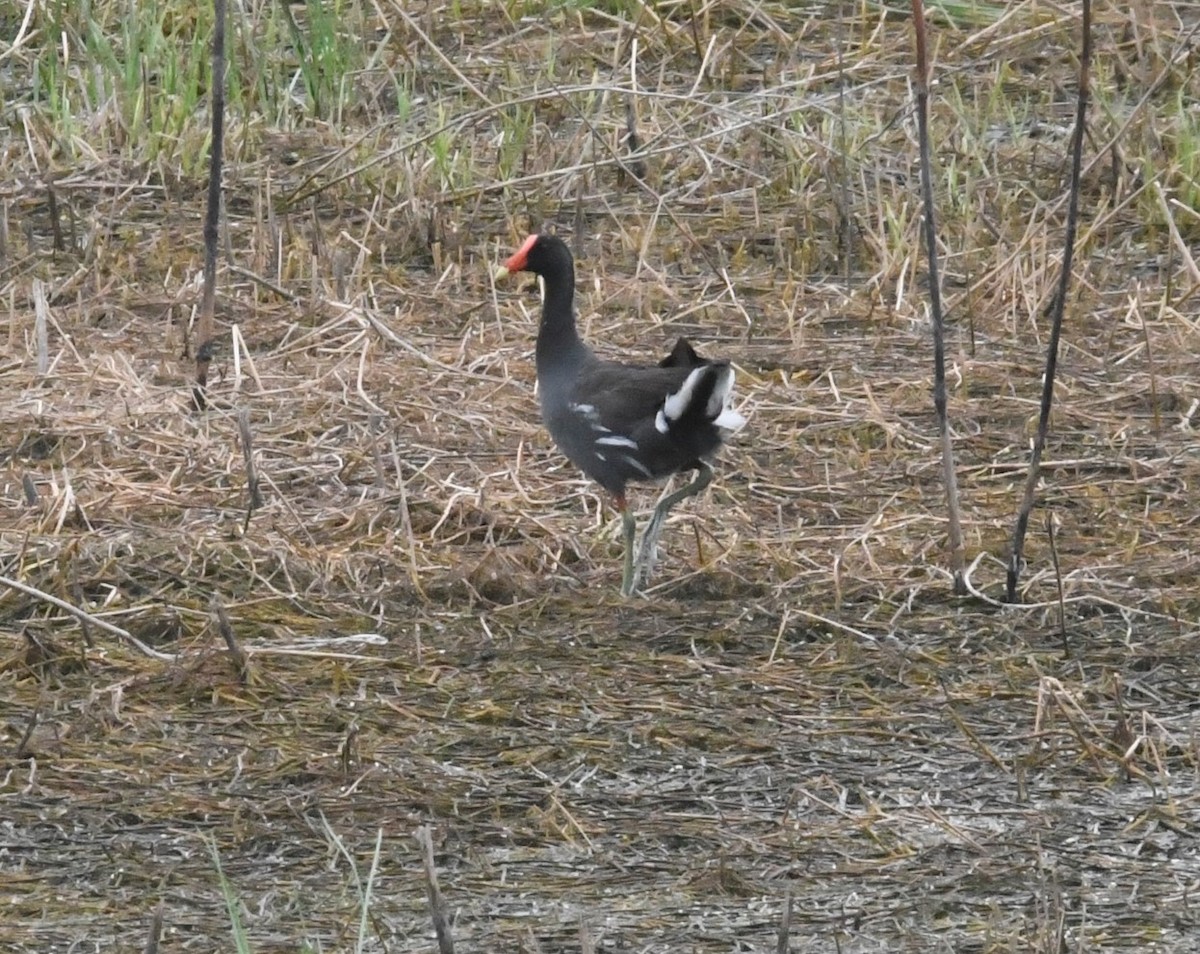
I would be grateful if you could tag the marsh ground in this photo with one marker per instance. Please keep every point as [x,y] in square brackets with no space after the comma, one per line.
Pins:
[798,707]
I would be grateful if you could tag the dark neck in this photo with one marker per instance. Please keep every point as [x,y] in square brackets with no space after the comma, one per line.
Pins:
[558,342]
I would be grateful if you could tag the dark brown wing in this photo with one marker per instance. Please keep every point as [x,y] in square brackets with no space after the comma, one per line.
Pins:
[625,396]
[621,422]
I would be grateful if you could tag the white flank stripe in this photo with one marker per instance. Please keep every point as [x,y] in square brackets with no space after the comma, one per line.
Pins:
[617,440]
[637,465]
[588,413]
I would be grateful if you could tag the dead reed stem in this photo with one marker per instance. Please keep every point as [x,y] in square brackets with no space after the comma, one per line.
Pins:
[254,494]
[929,233]
[205,343]
[1056,314]
[155,933]
[437,905]
[82,615]
[237,655]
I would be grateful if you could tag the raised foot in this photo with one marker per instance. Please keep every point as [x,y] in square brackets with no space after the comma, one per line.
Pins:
[638,573]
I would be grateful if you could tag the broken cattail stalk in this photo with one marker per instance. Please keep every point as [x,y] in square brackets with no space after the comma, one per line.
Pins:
[237,655]
[77,592]
[60,244]
[437,906]
[410,537]
[785,925]
[375,429]
[636,165]
[348,752]
[252,487]
[633,142]
[23,748]
[156,926]
[1154,402]
[579,231]
[1062,602]
[41,326]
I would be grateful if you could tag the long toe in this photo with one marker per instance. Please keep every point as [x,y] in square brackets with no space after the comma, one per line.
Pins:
[647,553]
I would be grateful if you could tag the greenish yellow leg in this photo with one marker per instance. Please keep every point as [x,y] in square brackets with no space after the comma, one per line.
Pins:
[648,549]
[628,581]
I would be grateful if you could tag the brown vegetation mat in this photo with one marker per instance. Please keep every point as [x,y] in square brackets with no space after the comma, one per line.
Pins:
[427,599]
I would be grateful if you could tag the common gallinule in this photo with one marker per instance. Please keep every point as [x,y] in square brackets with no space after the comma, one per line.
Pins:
[618,422]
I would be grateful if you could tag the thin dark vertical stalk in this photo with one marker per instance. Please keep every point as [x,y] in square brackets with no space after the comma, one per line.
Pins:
[254,492]
[212,216]
[237,655]
[60,244]
[844,219]
[437,904]
[156,926]
[3,235]
[23,750]
[633,140]
[782,943]
[1154,402]
[1062,600]
[1056,311]
[85,627]
[950,478]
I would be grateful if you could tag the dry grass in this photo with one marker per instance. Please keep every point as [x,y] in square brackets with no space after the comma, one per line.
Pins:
[427,599]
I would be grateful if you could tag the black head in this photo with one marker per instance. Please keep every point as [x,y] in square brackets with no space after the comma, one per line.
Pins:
[544,255]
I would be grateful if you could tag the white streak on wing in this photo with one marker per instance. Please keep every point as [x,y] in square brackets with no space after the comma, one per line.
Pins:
[661,424]
[588,413]
[600,456]
[637,465]
[617,440]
